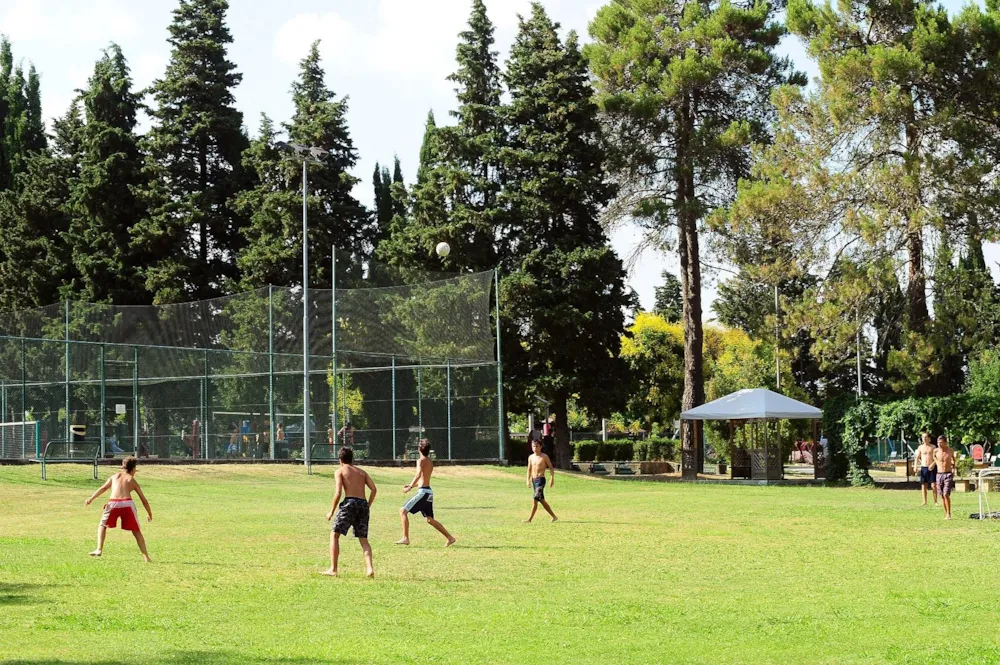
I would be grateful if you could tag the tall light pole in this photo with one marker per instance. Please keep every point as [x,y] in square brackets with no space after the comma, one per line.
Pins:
[307,155]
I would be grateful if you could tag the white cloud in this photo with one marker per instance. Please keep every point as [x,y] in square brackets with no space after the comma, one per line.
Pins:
[68,22]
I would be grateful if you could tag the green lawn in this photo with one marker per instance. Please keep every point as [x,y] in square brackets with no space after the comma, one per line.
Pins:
[633,573]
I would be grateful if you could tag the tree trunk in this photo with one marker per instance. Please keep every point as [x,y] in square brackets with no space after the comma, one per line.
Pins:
[687,221]
[916,285]
[564,453]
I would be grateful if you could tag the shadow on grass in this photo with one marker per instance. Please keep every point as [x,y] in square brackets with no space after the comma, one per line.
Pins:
[19,594]
[189,657]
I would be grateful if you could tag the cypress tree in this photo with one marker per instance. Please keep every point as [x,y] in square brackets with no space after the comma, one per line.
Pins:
[104,198]
[6,68]
[16,123]
[195,148]
[34,136]
[567,278]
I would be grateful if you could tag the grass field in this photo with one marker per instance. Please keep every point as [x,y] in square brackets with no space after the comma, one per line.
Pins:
[633,573]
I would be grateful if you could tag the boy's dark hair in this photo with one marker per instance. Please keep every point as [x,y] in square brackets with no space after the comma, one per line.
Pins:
[346,455]
[129,464]
[424,447]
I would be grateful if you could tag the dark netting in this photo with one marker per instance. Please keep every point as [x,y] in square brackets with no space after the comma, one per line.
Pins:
[223,378]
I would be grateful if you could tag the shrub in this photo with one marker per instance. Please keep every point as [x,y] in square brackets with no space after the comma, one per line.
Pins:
[585,451]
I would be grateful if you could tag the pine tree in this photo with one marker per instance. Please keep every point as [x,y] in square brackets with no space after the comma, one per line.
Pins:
[685,88]
[273,213]
[567,279]
[669,303]
[195,147]
[336,219]
[36,266]
[104,198]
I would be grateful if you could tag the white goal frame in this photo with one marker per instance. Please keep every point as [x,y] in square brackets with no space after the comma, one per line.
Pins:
[984,481]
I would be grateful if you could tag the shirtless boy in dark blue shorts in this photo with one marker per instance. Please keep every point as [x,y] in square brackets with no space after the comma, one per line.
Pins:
[423,502]
[353,512]
[538,463]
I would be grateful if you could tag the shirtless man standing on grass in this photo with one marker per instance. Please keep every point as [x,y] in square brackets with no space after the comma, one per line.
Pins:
[353,512]
[423,502]
[120,506]
[944,458]
[537,464]
[925,462]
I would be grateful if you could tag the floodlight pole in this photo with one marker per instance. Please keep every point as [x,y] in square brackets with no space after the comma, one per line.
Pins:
[393,407]
[306,453]
[777,357]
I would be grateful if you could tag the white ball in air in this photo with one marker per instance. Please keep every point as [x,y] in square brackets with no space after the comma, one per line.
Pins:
[443,249]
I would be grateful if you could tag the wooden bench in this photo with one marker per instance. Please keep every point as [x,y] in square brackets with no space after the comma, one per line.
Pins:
[70,452]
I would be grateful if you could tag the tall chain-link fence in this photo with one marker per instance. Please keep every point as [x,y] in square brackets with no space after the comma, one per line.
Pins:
[223,378]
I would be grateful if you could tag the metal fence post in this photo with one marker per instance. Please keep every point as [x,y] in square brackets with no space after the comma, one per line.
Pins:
[68,419]
[135,398]
[500,409]
[448,370]
[333,335]
[24,397]
[394,407]
[270,369]
[205,392]
[104,403]
[420,406]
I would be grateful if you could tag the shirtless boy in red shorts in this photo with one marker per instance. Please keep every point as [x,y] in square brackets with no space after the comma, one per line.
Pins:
[120,506]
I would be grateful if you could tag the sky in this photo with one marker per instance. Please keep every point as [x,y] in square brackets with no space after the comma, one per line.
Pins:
[389,57]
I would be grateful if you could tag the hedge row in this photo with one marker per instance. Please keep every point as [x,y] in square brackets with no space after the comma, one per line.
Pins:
[623,450]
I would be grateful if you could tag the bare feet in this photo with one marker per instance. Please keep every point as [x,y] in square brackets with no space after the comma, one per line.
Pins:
[371,574]
[330,572]
[527,521]
[925,503]
[146,557]
[947,517]
[555,519]
[96,553]
[451,541]
[404,541]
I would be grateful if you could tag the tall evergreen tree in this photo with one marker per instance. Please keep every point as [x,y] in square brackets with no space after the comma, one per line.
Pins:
[191,236]
[336,219]
[6,67]
[418,213]
[105,198]
[36,266]
[16,124]
[669,303]
[685,88]
[34,134]
[567,279]
[384,204]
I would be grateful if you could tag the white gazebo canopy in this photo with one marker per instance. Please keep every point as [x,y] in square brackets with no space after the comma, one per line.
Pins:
[755,403]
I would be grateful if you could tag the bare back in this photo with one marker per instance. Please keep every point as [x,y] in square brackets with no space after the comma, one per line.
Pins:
[425,467]
[539,464]
[122,485]
[944,458]
[353,480]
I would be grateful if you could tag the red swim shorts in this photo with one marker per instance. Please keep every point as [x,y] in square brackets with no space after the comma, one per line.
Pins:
[123,509]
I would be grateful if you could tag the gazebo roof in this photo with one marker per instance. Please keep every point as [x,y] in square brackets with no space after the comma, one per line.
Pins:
[753,403]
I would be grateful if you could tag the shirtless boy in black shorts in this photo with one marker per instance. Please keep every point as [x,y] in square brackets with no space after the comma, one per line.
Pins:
[537,465]
[353,511]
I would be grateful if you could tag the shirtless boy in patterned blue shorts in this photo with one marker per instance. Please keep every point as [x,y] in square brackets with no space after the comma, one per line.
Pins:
[353,512]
